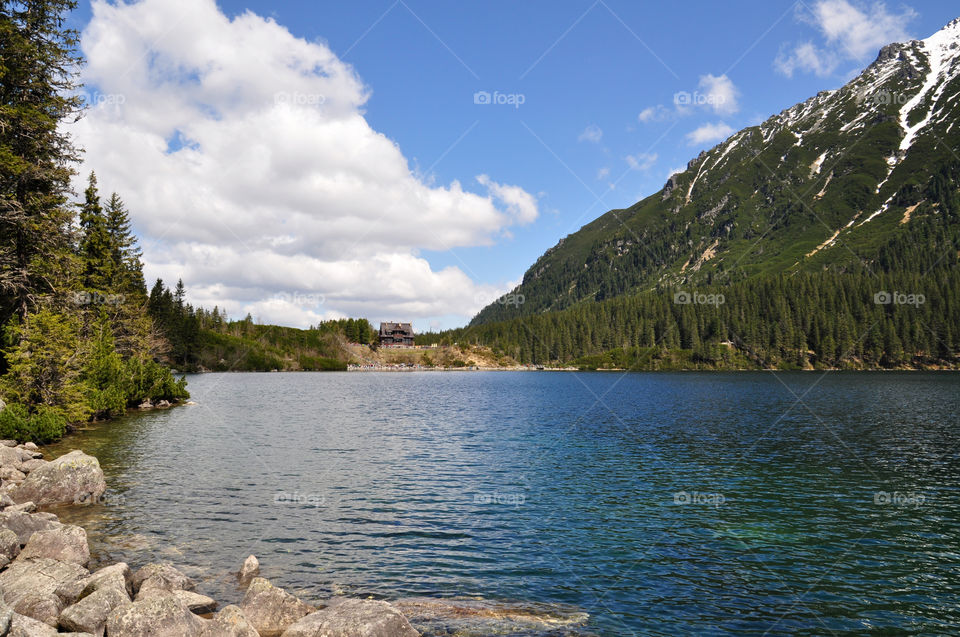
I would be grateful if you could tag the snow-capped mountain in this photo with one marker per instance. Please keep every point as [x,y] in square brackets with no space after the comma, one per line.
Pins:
[860,178]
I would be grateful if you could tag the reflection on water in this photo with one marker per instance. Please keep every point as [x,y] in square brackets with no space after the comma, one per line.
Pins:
[634,504]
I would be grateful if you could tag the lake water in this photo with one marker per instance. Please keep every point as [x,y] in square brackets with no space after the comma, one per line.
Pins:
[794,503]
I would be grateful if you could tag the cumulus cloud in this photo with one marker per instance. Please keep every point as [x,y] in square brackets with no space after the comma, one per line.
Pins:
[641,161]
[250,170]
[720,94]
[709,133]
[591,133]
[653,114]
[850,32]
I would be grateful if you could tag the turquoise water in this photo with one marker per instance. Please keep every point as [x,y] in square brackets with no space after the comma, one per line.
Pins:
[788,503]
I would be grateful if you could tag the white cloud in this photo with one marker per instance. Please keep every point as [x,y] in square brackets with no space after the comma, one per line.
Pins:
[709,133]
[641,161]
[591,133]
[250,170]
[653,114]
[603,173]
[850,31]
[720,94]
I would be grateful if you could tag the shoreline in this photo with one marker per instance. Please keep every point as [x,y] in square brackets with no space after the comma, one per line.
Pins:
[46,588]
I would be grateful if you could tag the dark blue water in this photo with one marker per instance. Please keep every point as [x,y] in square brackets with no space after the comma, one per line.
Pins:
[797,503]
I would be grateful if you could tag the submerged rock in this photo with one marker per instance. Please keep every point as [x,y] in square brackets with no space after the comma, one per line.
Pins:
[72,478]
[479,618]
[354,618]
[271,610]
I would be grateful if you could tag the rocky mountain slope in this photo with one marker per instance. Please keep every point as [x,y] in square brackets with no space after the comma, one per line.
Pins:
[859,179]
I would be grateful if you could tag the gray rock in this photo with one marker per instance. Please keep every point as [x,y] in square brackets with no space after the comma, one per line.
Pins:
[249,570]
[43,608]
[31,581]
[8,443]
[6,500]
[22,626]
[271,610]
[75,477]
[31,465]
[31,446]
[9,457]
[354,618]
[197,603]
[9,544]
[168,571]
[27,455]
[229,622]
[161,617]
[14,475]
[6,614]
[26,524]
[90,613]
[67,543]
[26,507]
[116,576]
[157,586]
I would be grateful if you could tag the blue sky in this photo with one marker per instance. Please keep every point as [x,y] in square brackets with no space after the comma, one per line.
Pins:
[590,121]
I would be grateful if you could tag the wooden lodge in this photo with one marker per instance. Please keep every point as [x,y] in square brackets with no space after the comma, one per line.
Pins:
[396,335]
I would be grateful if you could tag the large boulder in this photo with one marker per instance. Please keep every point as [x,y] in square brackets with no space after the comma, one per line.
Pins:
[271,610]
[354,618]
[249,570]
[72,478]
[67,543]
[10,457]
[23,626]
[177,579]
[159,617]
[90,614]
[32,465]
[114,576]
[31,585]
[26,524]
[229,622]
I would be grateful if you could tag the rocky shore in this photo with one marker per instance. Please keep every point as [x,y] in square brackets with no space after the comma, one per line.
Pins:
[47,589]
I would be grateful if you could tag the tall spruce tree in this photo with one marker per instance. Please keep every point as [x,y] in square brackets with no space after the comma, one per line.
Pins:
[38,66]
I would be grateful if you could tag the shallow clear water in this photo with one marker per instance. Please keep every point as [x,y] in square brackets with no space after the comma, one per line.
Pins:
[797,503]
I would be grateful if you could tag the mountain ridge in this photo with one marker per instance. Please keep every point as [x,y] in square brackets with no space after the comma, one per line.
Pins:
[834,182]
